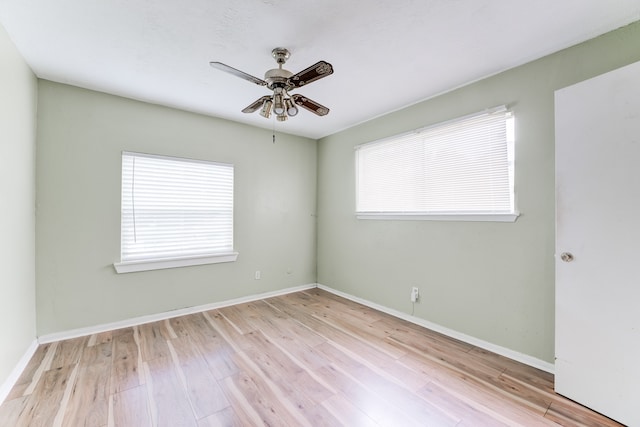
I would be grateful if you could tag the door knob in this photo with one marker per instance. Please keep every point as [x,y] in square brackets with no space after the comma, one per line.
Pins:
[566,256]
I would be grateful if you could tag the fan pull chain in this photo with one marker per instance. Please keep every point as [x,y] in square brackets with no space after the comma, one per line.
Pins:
[274,131]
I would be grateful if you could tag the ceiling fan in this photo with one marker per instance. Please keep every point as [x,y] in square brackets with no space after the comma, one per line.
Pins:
[281,81]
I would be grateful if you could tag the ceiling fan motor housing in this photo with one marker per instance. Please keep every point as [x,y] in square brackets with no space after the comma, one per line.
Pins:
[277,77]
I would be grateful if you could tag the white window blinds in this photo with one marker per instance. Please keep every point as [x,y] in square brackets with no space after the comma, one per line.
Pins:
[461,167]
[175,208]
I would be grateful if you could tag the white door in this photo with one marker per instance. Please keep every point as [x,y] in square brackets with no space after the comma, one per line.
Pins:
[597,343]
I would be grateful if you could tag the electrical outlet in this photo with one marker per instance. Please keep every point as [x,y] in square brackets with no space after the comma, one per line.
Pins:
[415,294]
[258,275]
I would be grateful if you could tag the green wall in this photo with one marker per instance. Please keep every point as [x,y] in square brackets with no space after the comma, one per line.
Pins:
[81,135]
[493,281]
[17,200]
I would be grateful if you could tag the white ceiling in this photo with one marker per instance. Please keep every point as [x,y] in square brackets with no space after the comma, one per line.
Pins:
[386,55]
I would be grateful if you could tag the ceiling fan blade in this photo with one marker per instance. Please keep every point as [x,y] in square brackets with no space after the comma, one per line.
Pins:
[310,105]
[227,69]
[311,74]
[256,104]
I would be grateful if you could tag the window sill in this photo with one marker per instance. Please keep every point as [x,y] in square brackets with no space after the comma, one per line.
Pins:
[133,266]
[441,217]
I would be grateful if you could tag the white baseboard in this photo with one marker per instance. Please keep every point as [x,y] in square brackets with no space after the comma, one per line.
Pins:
[8,384]
[81,332]
[503,351]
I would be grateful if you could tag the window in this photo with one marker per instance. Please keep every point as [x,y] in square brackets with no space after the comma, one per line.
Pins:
[175,212]
[458,170]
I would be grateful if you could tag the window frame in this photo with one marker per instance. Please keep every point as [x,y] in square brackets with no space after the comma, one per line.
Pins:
[151,263]
[450,215]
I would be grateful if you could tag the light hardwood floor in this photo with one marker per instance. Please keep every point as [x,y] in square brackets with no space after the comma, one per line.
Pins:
[304,359]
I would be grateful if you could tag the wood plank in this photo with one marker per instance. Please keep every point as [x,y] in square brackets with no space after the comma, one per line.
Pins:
[32,372]
[130,408]
[125,370]
[178,326]
[34,363]
[345,309]
[473,391]
[298,351]
[203,390]
[378,408]
[69,352]
[100,338]
[401,398]
[451,367]
[411,331]
[89,400]
[44,403]
[239,316]
[198,328]
[124,346]
[169,329]
[219,348]
[66,396]
[97,354]
[434,345]
[298,384]
[245,410]
[360,331]
[227,330]
[219,357]
[256,399]
[469,414]
[224,418]
[329,332]
[456,361]
[373,354]
[291,329]
[298,402]
[153,340]
[121,331]
[11,410]
[299,390]
[346,413]
[170,404]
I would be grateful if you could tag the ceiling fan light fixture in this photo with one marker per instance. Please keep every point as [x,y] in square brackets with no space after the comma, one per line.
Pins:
[292,110]
[266,109]
[278,104]
[281,117]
